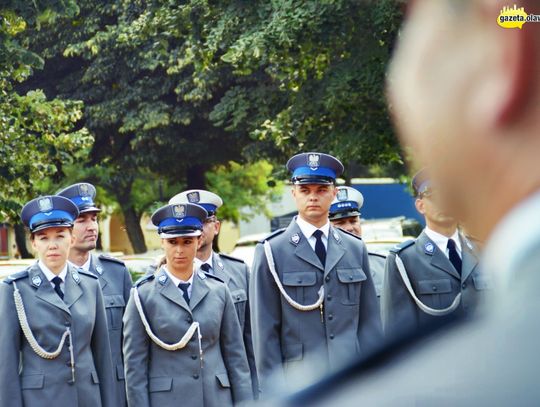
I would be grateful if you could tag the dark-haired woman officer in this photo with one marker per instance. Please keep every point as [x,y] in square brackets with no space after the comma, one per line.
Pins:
[54,344]
[182,340]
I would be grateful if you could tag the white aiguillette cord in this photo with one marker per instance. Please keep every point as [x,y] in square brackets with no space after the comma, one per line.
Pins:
[27,331]
[170,347]
[428,310]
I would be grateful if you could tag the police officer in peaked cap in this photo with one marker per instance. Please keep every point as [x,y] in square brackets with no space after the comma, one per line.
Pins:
[182,338]
[312,296]
[112,273]
[53,339]
[234,272]
[345,214]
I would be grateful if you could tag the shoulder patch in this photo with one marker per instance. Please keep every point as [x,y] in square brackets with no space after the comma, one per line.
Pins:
[144,279]
[112,259]
[382,256]
[231,258]
[402,246]
[272,235]
[16,276]
[348,233]
[87,273]
[208,275]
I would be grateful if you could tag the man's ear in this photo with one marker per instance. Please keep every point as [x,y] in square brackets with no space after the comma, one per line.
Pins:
[419,204]
[217,225]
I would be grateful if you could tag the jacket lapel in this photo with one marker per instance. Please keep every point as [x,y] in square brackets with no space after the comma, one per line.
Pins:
[469,259]
[98,270]
[72,290]
[335,250]
[218,268]
[45,290]
[199,290]
[438,258]
[303,249]
[170,291]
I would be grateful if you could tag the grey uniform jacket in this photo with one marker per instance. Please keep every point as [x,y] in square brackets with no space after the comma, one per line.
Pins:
[282,335]
[115,282]
[27,379]
[235,273]
[158,377]
[434,280]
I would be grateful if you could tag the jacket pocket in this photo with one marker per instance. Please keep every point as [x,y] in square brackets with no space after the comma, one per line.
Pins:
[160,384]
[95,377]
[223,380]
[432,290]
[297,280]
[293,352]
[114,305]
[352,279]
[482,283]
[34,381]
[240,299]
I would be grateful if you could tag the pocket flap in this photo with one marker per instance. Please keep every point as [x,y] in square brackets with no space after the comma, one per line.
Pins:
[159,384]
[351,275]
[120,372]
[34,381]
[114,300]
[239,295]
[95,377]
[294,351]
[434,286]
[482,282]
[223,379]
[299,278]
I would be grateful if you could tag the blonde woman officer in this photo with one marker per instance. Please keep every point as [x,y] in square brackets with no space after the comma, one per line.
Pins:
[182,340]
[53,342]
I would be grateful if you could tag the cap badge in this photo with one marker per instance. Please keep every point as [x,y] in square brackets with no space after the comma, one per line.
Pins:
[342,194]
[162,279]
[36,281]
[99,270]
[179,211]
[295,238]
[193,197]
[429,247]
[45,204]
[313,161]
[84,190]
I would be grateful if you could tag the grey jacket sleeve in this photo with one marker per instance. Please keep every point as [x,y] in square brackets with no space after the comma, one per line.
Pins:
[265,303]
[136,345]
[248,341]
[10,343]
[128,283]
[370,334]
[234,353]
[101,350]
[397,307]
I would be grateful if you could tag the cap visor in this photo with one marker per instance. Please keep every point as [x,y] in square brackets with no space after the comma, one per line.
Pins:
[91,209]
[342,215]
[180,234]
[52,225]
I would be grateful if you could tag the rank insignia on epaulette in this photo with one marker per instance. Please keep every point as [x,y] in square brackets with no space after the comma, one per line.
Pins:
[295,238]
[429,248]
[36,281]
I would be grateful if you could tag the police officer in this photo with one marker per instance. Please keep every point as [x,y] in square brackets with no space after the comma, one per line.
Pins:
[182,339]
[112,273]
[345,214]
[433,275]
[234,272]
[53,339]
[312,296]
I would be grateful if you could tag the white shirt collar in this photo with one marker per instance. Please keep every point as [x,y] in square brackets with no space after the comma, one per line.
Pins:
[49,274]
[308,229]
[176,280]
[209,261]
[442,241]
[512,239]
[85,266]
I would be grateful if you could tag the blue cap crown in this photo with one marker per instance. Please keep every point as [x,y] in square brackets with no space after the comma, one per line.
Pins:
[82,195]
[314,168]
[179,220]
[47,212]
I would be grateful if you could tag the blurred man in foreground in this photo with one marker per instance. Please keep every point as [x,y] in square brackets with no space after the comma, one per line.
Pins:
[466,97]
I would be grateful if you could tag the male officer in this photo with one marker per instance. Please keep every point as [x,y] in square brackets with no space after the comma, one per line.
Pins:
[112,273]
[312,296]
[234,272]
[434,275]
[345,214]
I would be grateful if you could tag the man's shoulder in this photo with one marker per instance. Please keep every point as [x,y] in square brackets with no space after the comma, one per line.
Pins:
[404,248]
[109,260]
[231,259]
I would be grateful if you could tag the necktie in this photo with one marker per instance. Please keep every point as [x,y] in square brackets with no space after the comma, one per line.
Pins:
[57,281]
[205,267]
[184,287]
[320,250]
[454,256]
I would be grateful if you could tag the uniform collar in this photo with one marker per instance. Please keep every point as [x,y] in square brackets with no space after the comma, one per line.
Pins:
[49,274]
[85,266]
[442,241]
[176,280]
[209,261]
[308,229]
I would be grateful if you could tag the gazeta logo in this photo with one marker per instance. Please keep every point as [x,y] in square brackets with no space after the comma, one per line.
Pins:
[515,17]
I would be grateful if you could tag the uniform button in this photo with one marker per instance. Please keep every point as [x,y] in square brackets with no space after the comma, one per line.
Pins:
[299,280]
[350,277]
[111,303]
[331,336]
[194,357]
[70,382]
[330,316]
[329,297]
[434,288]
[238,298]
[67,324]
[68,363]
[464,285]
[189,320]
[195,376]
[327,278]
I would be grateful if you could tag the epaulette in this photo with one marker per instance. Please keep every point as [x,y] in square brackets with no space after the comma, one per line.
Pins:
[110,258]
[402,246]
[143,280]
[203,275]
[16,276]
[348,233]
[272,235]
[87,273]
[382,256]
[231,258]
